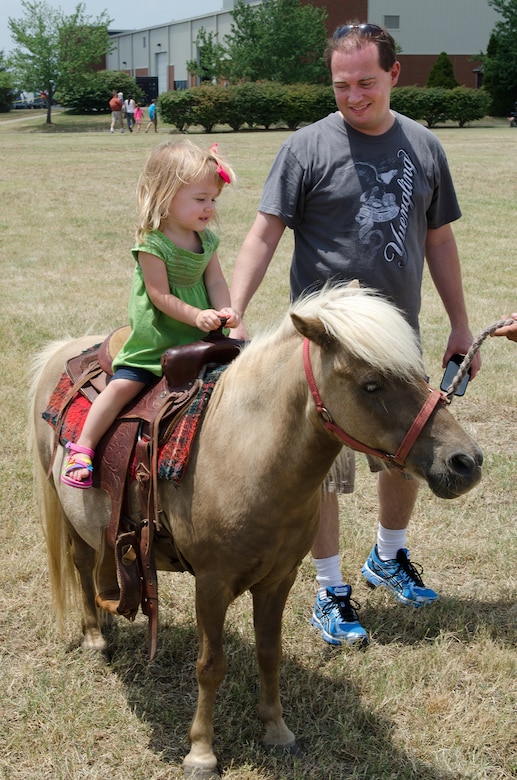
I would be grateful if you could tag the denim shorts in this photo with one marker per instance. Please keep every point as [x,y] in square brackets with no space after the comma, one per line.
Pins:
[134,374]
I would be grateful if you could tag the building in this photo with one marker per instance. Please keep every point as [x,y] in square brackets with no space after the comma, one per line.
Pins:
[422,29]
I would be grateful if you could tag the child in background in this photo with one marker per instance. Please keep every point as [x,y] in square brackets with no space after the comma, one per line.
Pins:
[139,115]
[178,293]
[153,117]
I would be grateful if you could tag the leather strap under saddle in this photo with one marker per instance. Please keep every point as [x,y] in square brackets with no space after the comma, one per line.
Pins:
[139,431]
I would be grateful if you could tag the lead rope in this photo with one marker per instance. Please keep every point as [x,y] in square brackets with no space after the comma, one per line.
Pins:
[469,357]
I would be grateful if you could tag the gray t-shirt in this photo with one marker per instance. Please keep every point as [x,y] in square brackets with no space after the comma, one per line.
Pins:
[360,205]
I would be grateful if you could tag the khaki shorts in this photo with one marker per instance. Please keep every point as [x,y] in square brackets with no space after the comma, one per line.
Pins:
[341,477]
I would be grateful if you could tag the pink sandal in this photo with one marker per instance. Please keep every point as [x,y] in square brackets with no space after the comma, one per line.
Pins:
[75,462]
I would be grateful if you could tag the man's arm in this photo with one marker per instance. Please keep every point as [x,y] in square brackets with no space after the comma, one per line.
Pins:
[253,259]
[444,266]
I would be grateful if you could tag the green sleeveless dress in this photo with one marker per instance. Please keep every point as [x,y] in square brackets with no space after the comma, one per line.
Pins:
[152,331]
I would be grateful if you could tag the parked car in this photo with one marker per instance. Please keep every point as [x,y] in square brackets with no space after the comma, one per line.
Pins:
[37,102]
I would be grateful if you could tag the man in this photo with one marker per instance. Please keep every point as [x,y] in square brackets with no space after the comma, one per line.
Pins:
[116,112]
[368,195]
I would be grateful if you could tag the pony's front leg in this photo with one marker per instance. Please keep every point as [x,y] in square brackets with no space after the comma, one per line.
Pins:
[268,608]
[201,762]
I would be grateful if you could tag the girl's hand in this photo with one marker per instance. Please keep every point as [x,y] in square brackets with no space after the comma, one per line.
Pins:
[231,317]
[209,319]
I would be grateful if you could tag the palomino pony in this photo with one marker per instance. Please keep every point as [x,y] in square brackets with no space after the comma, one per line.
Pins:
[246,512]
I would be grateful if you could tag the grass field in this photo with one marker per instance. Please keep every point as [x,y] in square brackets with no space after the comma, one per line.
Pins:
[434,697]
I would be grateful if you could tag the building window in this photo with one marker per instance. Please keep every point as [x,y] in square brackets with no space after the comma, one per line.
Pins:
[392,22]
[144,42]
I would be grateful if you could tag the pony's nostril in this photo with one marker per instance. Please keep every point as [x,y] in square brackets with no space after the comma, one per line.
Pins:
[462,463]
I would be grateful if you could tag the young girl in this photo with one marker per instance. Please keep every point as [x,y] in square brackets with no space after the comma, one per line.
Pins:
[179,292]
[139,115]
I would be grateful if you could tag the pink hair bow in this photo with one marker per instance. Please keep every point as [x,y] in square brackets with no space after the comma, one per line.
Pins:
[220,170]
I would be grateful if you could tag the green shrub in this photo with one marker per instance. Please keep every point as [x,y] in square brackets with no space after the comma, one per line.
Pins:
[267,104]
[208,106]
[405,100]
[261,103]
[7,90]
[465,105]
[92,93]
[437,104]
[432,105]
[176,108]
[205,106]
[306,103]
[234,112]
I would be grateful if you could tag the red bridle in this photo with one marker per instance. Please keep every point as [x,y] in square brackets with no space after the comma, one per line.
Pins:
[399,458]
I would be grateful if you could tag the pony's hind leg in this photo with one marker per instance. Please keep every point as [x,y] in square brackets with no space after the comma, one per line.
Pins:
[84,558]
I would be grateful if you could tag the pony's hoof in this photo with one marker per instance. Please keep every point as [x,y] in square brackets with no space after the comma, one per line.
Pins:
[198,773]
[93,640]
[286,751]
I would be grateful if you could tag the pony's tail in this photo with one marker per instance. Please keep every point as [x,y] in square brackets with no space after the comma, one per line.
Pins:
[63,577]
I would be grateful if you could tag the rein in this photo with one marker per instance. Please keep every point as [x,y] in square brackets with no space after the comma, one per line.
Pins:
[399,458]
[469,357]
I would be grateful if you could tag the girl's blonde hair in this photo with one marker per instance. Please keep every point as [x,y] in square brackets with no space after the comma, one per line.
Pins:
[168,167]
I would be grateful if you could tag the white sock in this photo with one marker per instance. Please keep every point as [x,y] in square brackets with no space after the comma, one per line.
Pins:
[390,542]
[328,573]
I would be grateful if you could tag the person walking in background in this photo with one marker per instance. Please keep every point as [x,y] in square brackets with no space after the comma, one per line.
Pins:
[179,293]
[153,117]
[368,194]
[139,115]
[116,112]
[129,111]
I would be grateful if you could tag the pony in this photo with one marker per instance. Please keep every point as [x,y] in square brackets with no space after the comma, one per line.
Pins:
[343,367]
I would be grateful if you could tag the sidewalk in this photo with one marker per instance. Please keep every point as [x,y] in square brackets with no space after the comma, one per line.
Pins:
[35,114]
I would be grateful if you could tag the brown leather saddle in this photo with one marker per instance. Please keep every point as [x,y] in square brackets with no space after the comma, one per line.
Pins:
[135,437]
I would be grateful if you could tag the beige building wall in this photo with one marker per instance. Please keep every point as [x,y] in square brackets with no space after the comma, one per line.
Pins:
[433,26]
[422,28]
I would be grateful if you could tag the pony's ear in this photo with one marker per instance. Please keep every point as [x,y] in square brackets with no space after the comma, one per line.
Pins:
[312,328]
[354,284]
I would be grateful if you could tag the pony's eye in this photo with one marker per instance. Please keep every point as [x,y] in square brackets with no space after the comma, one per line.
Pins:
[372,387]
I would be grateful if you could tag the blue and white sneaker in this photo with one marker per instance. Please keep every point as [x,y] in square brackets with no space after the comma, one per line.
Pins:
[400,577]
[335,616]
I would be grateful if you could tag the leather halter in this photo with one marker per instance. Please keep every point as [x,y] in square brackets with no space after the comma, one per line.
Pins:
[399,458]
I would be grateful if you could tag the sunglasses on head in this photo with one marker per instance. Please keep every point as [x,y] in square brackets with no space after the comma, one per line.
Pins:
[362,29]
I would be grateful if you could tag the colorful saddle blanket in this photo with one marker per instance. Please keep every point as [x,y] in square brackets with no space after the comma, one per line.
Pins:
[173,454]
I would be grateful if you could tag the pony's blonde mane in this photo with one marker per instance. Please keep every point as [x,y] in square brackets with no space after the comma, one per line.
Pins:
[366,325]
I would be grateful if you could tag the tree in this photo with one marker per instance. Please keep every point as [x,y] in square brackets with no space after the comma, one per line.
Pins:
[442,73]
[278,40]
[500,60]
[56,50]
[211,60]
[7,91]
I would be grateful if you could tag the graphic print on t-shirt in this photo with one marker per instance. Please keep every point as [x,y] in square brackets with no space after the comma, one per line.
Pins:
[386,202]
